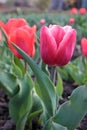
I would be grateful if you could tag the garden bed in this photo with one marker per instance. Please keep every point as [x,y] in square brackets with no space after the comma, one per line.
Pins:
[6,123]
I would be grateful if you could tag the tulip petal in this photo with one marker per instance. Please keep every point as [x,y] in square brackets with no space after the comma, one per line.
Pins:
[66,48]
[30,30]
[48,46]
[15,23]
[58,33]
[23,40]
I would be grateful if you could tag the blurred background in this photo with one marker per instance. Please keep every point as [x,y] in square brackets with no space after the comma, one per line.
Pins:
[40,4]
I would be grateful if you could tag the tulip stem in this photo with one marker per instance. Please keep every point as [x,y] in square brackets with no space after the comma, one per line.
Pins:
[53,75]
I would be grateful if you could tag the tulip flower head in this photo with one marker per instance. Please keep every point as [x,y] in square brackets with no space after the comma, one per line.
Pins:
[74,11]
[82,11]
[84,46]
[57,44]
[20,33]
[42,21]
[71,21]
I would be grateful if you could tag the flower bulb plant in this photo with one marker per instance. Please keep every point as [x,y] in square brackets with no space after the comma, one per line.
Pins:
[39,97]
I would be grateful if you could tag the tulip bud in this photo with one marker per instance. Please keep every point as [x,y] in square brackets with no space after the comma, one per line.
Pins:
[42,21]
[84,46]
[71,21]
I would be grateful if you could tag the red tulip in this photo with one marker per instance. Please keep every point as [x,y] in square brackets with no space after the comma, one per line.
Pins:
[74,11]
[71,21]
[24,38]
[84,46]
[82,11]
[57,44]
[42,21]
[20,33]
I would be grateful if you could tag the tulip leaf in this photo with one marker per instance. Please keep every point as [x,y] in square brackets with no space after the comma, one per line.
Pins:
[59,86]
[50,125]
[36,107]
[20,105]
[71,112]
[63,72]
[9,83]
[19,64]
[45,87]
[16,70]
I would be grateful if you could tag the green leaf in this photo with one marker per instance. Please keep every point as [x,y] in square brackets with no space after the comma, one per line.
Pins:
[59,86]
[36,107]
[50,125]
[20,105]
[45,87]
[71,112]
[9,83]
[63,72]
[44,68]
[16,70]
[19,64]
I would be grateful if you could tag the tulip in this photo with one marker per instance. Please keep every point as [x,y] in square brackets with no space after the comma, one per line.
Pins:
[20,33]
[57,44]
[74,11]
[71,21]
[84,46]
[24,38]
[82,11]
[42,21]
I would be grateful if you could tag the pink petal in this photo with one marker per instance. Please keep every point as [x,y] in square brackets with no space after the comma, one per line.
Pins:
[57,32]
[66,48]
[48,47]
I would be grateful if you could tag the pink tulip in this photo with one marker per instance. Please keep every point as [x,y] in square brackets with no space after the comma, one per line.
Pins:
[84,46]
[71,21]
[42,21]
[57,44]
[74,11]
[82,11]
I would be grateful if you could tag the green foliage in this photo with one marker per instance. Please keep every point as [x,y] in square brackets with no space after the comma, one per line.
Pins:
[75,70]
[71,112]
[20,104]
[43,87]
[9,83]
[40,97]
